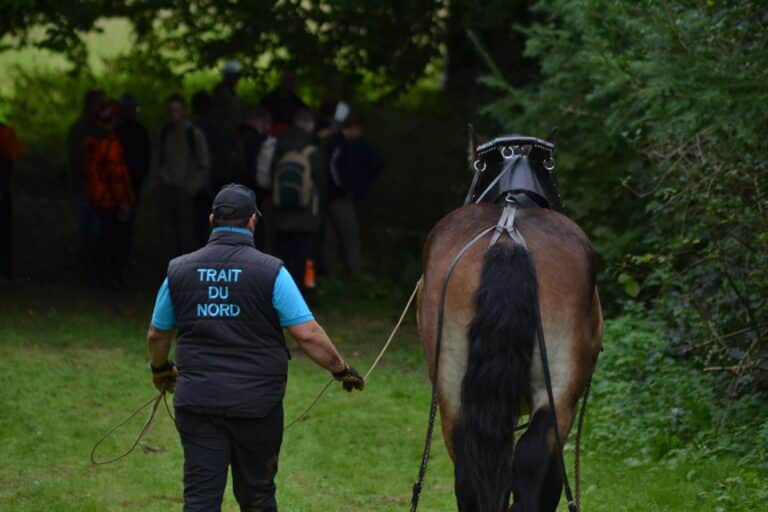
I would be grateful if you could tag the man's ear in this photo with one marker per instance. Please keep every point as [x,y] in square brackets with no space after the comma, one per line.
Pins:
[252,222]
[210,219]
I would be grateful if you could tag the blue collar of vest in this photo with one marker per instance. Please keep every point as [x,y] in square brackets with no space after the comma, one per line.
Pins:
[242,231]
[229,235]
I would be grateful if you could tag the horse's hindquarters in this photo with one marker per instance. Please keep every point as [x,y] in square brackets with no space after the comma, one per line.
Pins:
[564,282]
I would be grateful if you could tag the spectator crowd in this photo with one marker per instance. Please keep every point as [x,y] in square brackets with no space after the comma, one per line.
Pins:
[310,171]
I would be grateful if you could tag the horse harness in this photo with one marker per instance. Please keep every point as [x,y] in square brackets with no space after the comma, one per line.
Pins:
[517,185]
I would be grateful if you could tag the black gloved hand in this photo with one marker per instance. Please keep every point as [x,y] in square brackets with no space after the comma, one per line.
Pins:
[164,378]
[350,379]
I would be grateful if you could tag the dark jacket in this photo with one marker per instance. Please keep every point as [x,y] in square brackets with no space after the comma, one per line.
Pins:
[230,352]
[222,152]
[137,151]
[353,166]
[282,107]
[228,110]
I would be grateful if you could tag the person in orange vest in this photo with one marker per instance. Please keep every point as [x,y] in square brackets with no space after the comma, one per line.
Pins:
[10,151]
[112,198]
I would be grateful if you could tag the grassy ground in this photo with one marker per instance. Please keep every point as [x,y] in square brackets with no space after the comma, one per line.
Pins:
[73,364]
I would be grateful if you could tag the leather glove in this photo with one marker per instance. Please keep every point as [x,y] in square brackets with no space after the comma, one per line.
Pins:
[164,378]
[350,379]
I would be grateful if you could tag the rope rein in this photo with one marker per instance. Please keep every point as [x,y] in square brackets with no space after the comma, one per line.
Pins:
[394,331]
[311,406]
[383,350]
[154,402]
[163,396]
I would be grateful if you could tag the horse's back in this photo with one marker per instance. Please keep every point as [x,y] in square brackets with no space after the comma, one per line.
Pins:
[546,232]
[561,251]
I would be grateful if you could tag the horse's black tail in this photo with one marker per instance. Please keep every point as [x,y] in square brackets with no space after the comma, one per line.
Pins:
[501,338]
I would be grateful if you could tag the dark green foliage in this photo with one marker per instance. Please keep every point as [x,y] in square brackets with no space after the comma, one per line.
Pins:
[649,409]
[61,24]
[663,110]
[343,44]
[341,40]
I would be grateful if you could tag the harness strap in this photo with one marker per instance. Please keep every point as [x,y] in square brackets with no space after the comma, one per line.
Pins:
[506,225]
[577,459]
[505,170]
[473,186]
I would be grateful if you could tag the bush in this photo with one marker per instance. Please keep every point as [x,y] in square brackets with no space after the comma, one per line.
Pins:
[663,111]
[667,409]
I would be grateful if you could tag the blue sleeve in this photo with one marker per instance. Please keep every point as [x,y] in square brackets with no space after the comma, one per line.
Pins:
[287,300]
[163,317]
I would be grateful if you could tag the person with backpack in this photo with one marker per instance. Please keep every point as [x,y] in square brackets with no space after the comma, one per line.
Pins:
[10,151]
[110,196]
[353,166]
[299,180]
[181,171]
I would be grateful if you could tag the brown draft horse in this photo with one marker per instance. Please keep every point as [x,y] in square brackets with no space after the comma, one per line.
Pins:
[490,369]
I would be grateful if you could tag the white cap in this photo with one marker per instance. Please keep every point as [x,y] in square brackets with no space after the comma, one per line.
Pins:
[231,68]
[342,112]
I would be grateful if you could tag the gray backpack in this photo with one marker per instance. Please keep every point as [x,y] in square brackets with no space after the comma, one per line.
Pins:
[293,186]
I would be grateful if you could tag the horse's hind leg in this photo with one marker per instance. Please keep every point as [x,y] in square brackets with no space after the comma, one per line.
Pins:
[537,479]
[531,463]
[552,487]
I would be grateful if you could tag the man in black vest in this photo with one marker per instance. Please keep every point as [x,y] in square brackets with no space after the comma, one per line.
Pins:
[229,304]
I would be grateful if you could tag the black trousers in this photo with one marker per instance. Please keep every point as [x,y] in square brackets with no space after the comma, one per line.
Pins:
[213,443]
[111,249]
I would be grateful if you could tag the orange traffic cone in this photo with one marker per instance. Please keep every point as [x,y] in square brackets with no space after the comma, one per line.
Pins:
[309,274]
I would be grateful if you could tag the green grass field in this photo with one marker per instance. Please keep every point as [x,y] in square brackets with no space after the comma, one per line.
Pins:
[72,365]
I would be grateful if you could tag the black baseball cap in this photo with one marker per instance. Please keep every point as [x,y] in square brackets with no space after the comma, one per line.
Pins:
[234,202]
